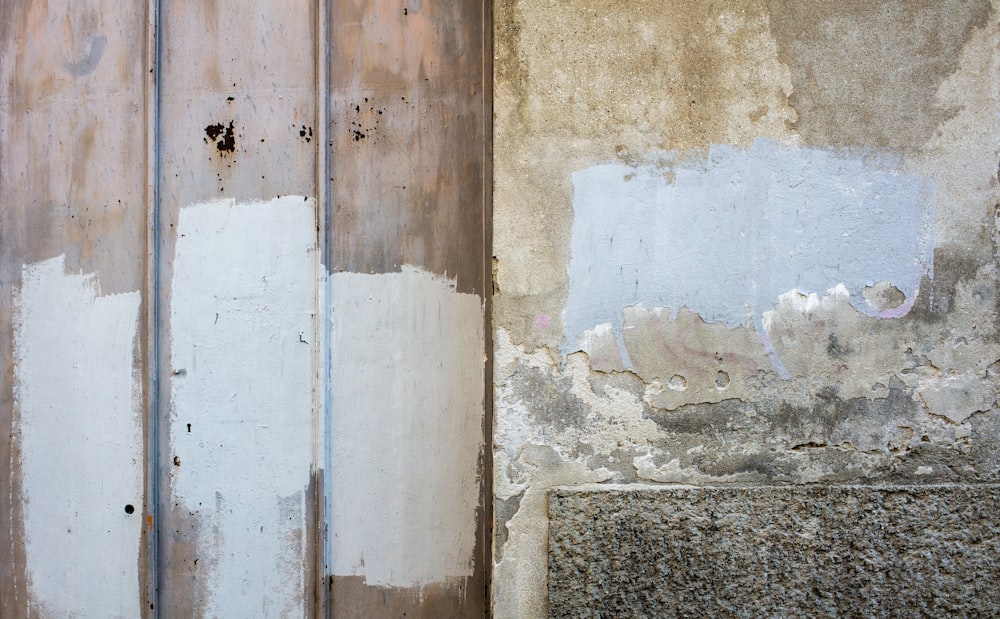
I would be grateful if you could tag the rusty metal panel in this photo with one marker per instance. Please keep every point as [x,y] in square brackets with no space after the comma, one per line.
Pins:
[407,242]
[238,275]
[73,197]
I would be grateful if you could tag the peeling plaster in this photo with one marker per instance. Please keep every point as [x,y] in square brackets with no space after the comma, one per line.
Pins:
[241,412]
[726,237]
[78,396]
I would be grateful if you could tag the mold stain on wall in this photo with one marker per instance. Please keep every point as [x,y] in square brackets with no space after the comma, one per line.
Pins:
[78,396]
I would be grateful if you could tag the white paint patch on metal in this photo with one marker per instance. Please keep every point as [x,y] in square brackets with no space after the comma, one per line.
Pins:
[406,385]
[726,236]
[78,393]
[241,420]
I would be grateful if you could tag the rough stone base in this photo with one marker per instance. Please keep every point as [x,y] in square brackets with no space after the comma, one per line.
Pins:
[795,551]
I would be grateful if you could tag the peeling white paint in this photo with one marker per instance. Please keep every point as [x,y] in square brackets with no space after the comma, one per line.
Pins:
[406,385]
[806,303]
[725,237]
[241,319]
[78,394]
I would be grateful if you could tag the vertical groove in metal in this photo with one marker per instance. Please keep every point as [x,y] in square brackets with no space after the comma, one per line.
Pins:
[487,239]
[152,409]
[323,556]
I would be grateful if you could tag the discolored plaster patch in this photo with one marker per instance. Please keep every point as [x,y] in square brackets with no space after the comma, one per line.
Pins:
[677,68]
[867,74]
[633,78]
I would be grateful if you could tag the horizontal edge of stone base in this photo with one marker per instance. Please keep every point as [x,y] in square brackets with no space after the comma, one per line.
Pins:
[818,486]
[774,550]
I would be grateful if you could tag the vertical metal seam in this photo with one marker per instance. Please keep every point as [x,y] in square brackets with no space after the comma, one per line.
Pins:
[324,224]
[487,240]
[152,459]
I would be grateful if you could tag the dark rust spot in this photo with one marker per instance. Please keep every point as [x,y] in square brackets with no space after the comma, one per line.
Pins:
[223,136]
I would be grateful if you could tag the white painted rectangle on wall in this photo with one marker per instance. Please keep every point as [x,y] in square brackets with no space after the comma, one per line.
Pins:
[241,415]
[78,397]
[406,389]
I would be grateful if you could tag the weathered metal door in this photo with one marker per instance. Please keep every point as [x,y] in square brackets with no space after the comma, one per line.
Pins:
[243,345]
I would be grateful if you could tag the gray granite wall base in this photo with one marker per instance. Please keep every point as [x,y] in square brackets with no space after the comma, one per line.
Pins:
[781,551]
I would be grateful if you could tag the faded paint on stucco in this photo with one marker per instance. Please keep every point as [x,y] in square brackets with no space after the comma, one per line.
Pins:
[637,330]
[756,222]
[77,393]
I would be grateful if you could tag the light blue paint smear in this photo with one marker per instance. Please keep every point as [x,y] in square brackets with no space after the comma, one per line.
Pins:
[726,236]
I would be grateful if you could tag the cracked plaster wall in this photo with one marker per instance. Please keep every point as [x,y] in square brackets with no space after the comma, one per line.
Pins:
[847,367]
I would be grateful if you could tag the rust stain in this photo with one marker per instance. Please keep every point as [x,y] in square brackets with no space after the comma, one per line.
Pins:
[222,136]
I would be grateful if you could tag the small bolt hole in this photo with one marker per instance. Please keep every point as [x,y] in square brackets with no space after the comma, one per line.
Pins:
[129,509]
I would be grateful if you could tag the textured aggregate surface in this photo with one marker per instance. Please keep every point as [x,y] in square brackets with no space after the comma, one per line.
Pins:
[778,551]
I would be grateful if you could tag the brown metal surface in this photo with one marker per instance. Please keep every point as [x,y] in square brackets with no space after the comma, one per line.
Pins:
[409,166]
[72,181]
[407,137]
[380,110]
[249,68]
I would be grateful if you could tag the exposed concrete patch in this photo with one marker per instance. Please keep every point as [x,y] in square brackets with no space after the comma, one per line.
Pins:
[520,577]
[241,417]
[851,411]
[406,395]
[958,397]
[716,362]
[78,393]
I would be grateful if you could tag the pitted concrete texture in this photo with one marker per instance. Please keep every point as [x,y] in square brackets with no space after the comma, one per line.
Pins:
[779,551]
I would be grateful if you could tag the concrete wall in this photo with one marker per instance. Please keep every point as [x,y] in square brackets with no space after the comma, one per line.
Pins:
[740,243]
